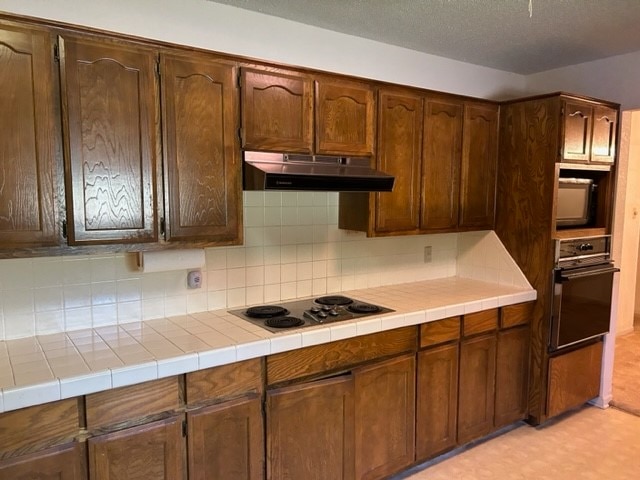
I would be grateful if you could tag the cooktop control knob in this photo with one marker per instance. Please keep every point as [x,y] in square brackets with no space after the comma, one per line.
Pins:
[322,315]
[326,308]
[314,309]
[333,312]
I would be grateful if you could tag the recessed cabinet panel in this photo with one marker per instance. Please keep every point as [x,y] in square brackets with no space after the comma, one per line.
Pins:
[578,120]
[385,417]
[277,111]
[603,141]
[226,441]
[65,462]
[399,143]
[479,164]
[109,97]
[442,147]
[310,430]
[345,118]
[154,451]
[512,368]
[202,169]
[28,139]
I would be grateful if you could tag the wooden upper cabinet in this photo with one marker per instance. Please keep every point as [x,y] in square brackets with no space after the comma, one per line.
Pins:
[345,118]
[441,152]
[109,100]
[277,110]
[578,121]
[603,140]
[203,191]
[590,132]
[399,143]
[478,165]
[154,451]
[28,139]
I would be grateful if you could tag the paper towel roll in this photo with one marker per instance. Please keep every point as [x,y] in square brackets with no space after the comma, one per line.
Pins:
[166,260]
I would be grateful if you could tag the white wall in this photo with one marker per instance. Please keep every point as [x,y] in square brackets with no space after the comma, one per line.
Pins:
[232,30]
[614,78]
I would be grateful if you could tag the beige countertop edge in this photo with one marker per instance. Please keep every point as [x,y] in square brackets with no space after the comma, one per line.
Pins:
[16,397]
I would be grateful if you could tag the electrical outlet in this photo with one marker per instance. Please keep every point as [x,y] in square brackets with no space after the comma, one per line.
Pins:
[427,254]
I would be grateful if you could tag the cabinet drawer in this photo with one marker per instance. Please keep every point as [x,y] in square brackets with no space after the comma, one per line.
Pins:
[440,331]
[342,354]
[513,315]
[132,404]
[480,322]
[34,428]
[226,381]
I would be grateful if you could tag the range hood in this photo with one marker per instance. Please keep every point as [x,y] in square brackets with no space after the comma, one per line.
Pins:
[281,171]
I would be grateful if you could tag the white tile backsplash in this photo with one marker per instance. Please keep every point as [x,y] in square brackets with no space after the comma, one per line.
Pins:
[293,248]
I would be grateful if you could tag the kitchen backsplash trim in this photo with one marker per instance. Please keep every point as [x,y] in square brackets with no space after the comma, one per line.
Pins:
[293,249]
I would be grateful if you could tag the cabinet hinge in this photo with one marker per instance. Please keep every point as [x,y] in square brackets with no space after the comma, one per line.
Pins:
[184,428]
[56,52]
[163,227]
[64,229]
[241,136]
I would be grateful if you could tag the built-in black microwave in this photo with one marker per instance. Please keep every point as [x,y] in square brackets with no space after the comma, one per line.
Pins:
[575,201]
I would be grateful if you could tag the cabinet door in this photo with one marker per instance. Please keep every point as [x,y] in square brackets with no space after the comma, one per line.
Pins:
[202,167]
[384,419]
[277,111]
[477,387]
[478,167]
[512,374]
[310,430]
[154,451]
[345,118]
[227,441]
[65,462]
[399,143]
[109,97]
[28,139]
[578,121]
[437,401]
[605,128]
[441,151]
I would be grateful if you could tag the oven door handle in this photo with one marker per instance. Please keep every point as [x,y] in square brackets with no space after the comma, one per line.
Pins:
[566,276]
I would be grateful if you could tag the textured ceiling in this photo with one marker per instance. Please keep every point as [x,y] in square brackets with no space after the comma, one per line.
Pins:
[494,33]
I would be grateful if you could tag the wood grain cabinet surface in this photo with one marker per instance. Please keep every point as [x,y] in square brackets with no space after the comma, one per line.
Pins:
[29,139]
[384,417]
[589,133]
[437,400]
[153,451]
[65,462]
[310,430]
[399,145]
[479,165]
[227,440]
[345,114]
[441,156]
[203,183]
[110,119]
[512,375]
[277,110]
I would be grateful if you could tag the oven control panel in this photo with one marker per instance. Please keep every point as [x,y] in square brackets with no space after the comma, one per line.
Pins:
[585,250]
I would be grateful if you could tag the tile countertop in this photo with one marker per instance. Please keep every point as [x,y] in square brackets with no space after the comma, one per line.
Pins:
[51,367]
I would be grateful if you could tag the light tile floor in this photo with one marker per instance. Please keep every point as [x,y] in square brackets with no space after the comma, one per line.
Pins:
[587,444]
[626,373]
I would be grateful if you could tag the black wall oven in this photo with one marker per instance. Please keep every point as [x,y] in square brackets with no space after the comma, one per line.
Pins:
[583,282]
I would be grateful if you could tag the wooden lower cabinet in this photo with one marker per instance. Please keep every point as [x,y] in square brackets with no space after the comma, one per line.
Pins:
[227,441]
[64,462]
[385,417]
[574,378]
[310,431]
[153,451]
[437,400]
[512,368]
[477,387]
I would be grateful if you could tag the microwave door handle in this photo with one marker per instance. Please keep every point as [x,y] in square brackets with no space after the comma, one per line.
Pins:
[566,276]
